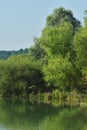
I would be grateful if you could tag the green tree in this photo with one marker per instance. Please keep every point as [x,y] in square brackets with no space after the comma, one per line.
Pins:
[60,15]
[20,76]
[58,40]
[80,43]
[37,51]
[85,18]
[61,74]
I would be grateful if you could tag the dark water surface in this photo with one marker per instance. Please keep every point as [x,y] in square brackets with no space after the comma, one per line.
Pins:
[32,116]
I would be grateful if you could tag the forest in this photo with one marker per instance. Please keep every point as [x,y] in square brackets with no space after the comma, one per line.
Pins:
[5,54]
[55,65]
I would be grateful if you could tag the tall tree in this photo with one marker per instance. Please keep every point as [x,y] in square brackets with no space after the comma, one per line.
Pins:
[61,15]
[58,40]
[80,43]
[85,18]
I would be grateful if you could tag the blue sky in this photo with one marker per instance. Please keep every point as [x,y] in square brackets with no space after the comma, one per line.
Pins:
[21,20]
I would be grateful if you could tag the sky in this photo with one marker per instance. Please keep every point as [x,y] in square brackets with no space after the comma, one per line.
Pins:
[21,20]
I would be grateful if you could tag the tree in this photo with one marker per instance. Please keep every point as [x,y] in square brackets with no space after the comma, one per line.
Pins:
[80,43]
[85,18]
[58,40]
[7,54]
[20,75]
[37,51]
[60,15]
[61,74]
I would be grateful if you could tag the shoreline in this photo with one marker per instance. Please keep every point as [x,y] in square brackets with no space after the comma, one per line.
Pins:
[52,98]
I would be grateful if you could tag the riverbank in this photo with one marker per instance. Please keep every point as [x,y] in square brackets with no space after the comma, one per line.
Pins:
[54,98]
[57,98]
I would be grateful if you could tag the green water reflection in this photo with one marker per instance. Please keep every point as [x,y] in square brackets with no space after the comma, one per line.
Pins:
[32,116]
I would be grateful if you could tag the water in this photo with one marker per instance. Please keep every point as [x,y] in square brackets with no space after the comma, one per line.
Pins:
[16,115]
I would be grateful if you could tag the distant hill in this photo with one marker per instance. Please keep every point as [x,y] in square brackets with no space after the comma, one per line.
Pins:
[5,54]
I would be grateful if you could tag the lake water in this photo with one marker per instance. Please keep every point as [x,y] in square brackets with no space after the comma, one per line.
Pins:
[16,115]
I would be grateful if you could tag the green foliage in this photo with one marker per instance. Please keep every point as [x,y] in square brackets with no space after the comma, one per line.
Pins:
[58,60]
[20,76]
[56,94]
[60,15]
[84,79]
[58,40]
[6,54]
[80,43]
[37,51]
[61,74]
[85,18]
